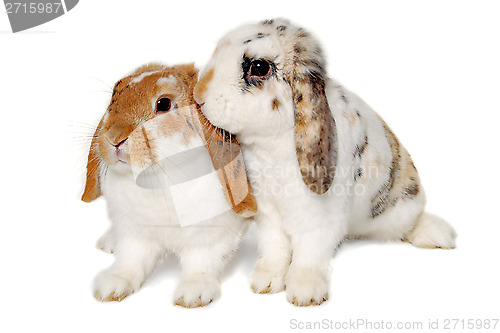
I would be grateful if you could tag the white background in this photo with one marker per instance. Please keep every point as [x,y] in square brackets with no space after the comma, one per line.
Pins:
[430,68]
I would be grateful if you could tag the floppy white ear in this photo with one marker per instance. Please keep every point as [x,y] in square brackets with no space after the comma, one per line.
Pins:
[315,131]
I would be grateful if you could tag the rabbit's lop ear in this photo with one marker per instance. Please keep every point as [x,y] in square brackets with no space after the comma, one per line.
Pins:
[315,131]
[225,152]
[92,185]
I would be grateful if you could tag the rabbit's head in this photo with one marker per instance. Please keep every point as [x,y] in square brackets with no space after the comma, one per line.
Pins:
[149,91]
[267,77]
[152,115]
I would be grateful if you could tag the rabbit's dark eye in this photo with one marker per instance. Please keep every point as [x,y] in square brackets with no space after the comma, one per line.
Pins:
[260,68]
[256,71]
[163,105]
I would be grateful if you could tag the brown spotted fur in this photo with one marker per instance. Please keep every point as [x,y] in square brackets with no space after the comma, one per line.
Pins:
[403,178]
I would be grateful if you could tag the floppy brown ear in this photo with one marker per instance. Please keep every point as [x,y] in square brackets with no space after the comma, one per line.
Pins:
[92,184]
[227,159]
[315,131]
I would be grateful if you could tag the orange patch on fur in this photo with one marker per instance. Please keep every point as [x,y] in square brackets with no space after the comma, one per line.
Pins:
[275,104]
[201,86]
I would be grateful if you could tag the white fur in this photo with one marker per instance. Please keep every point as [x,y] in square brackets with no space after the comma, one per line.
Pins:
[166,80]
[296,225]
[141,76]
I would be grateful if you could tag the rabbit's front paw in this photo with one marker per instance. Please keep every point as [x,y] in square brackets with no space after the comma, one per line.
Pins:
[267,279]
[114,285]
[196,291]
[306,286]
[106,242]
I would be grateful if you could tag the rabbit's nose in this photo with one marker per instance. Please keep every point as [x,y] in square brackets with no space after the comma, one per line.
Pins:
[119,144]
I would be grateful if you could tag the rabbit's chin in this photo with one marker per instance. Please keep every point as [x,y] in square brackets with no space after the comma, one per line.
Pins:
[120,167]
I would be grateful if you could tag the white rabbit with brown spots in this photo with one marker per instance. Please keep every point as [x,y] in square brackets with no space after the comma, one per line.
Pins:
[323,165]
[144,224]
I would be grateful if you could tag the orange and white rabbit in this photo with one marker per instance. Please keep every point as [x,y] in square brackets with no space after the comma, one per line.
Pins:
[144,225]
